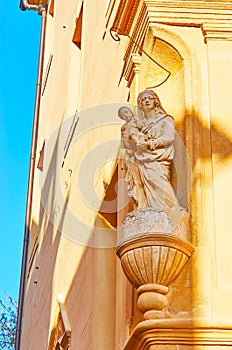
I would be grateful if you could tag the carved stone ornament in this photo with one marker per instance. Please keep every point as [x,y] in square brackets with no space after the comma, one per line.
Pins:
[145,220]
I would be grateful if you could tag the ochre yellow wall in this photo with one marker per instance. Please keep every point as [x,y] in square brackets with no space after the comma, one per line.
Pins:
[69,269]
[66,264]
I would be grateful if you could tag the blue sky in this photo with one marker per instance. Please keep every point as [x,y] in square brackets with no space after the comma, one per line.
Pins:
[19,42]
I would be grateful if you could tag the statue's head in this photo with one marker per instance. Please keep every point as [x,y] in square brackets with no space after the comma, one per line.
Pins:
[148,99]
[149,103]
[125,113]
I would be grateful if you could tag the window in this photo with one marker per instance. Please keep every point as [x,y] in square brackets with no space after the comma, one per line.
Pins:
[51,8]
[78,30]
[41,158]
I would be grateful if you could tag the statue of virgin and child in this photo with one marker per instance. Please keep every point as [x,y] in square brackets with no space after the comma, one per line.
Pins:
[148,140]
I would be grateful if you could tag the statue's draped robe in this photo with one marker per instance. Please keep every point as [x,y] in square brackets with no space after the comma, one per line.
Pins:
[150,169]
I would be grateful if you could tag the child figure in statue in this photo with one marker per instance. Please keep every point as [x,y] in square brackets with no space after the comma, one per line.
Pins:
[131,137]
[131,130]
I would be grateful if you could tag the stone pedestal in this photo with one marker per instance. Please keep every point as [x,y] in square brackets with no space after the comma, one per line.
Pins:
[152,256]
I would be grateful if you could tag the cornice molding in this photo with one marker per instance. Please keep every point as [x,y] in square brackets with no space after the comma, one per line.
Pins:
[217,31]
[179,331]
[125,16]
[136,42]
[186,12]
[133,18]
[175,12]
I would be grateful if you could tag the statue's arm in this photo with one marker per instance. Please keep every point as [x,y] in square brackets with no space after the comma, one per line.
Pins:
[167,132]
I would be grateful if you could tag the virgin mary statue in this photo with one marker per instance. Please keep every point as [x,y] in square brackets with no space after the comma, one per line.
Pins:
[149,145]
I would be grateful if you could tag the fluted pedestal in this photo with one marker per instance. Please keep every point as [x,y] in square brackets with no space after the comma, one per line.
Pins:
[152,260]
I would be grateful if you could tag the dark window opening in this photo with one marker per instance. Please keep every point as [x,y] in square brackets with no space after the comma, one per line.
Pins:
[78,30]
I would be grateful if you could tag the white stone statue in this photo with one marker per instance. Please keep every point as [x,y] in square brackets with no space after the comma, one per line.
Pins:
[148,142]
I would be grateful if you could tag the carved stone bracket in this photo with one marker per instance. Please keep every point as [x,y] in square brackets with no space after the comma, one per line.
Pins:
[152,260]
[136,59]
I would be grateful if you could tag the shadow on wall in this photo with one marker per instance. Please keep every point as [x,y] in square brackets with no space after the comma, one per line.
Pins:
[45,240]
[205,144]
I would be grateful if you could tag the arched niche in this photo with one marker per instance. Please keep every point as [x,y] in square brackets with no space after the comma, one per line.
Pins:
[167,68]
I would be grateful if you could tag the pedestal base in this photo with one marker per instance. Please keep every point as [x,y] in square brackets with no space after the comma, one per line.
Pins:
[152,300]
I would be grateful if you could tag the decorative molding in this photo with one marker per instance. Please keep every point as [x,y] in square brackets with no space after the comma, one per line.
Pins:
[180,332]
[144,221]
[125,16]
[136,59]
[135,44]
[133,18]
[219,31]
[188,12]
[175,12]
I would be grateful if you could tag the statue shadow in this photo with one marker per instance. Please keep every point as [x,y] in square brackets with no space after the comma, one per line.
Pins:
[206,144]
